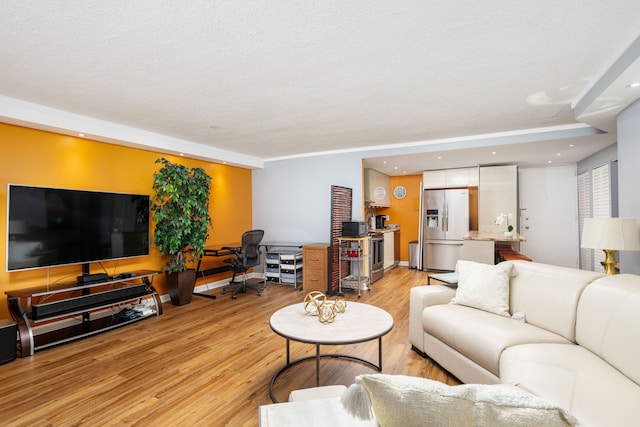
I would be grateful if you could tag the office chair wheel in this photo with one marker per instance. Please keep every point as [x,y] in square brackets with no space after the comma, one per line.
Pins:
[234,296]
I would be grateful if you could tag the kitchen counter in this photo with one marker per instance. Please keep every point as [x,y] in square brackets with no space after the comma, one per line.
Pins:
[494,236]
[483,246]
[388,229]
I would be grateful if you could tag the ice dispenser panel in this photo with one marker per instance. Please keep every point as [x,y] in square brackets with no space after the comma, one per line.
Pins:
[432,218]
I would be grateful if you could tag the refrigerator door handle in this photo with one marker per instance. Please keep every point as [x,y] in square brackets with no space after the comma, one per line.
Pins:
[445,222]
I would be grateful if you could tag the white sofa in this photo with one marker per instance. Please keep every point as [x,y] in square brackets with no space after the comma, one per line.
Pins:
[577,343]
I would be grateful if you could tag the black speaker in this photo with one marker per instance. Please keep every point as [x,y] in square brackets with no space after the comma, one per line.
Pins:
[8,340]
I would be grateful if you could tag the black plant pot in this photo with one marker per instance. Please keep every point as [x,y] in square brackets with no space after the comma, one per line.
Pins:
[181,286]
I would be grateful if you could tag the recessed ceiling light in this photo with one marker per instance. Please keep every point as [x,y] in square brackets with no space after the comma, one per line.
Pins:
[395,168]
[549,161]
[558,154]
[634,84]
[384,162]
[494,152]
[572,145]
[81,135]
[181,154]
[439,157]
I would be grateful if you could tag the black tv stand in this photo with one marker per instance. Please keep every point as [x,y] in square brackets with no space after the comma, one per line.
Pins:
[71,312]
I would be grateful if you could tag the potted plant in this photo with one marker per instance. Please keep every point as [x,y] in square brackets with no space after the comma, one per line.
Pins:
[501,219]
[181,213]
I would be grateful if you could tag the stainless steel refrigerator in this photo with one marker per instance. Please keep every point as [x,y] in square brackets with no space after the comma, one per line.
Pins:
[445,219]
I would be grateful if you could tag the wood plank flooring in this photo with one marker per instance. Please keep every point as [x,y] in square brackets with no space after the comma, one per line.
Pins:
[208,363]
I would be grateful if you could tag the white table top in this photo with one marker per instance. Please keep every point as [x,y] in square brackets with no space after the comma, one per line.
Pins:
[359,323]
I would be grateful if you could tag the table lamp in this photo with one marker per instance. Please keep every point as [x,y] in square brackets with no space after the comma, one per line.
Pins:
[610,235]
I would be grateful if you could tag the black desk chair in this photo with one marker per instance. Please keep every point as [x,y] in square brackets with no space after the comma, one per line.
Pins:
[248,256]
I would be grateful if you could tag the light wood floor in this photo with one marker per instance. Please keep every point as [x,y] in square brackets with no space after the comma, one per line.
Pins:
[205,364]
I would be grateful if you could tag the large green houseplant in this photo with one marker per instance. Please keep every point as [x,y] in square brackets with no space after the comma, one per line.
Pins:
[180,208]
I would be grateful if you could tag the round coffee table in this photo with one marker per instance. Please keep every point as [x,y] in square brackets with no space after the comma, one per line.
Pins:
[359,323]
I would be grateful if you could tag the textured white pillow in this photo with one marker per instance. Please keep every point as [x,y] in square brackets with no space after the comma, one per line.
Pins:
[399,400]
[484,286]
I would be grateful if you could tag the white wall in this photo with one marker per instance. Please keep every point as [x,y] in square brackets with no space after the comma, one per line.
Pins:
[292,198]
[629,177]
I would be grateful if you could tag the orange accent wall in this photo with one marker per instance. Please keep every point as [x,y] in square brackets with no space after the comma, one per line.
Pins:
[405,212]
[34,157]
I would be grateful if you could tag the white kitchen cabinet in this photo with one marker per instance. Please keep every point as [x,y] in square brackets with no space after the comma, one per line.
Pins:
[389,249]
[450,178]
[497,193]
[482,251]
[474,176]
[456,178]
[433,179]
[377,188]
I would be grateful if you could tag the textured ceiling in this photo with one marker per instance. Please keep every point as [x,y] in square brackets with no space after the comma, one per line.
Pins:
[281,78]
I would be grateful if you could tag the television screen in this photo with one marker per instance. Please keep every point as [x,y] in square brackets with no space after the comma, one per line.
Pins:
[52,226]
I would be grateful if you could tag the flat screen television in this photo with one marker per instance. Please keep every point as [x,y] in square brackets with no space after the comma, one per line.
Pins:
[49,227]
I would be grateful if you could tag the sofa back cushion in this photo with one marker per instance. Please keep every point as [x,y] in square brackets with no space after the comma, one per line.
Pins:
[548,295]
[609,321]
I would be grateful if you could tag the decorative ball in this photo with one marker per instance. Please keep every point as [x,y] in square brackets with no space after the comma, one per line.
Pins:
[316,304]
[313,301]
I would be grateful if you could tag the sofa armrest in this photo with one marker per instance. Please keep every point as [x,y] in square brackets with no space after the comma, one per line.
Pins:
[329,411]
[421,297]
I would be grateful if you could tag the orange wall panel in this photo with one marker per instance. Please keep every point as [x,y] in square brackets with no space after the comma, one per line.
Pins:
[33,157]
[405,212]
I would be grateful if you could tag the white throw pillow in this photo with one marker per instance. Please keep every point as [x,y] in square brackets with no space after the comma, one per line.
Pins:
[399,400]
[484,286]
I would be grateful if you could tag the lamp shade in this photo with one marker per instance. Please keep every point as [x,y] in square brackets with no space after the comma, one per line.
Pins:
[618,234]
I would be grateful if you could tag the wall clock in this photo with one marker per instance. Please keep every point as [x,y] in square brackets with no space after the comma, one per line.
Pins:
[399,192]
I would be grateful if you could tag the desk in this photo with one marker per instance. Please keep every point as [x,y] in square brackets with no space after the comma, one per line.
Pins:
[219,251]
[215,251]
[269,245]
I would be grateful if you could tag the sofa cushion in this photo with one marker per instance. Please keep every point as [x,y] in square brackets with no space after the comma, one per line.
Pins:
[576,379]
[608,320]
[548,295]
[480,335]
[483,286]
[399,400]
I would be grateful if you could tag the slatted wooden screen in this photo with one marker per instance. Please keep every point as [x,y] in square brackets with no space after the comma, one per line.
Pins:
[341,199]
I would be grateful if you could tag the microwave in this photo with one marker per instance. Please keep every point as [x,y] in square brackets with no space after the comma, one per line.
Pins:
[355,229]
